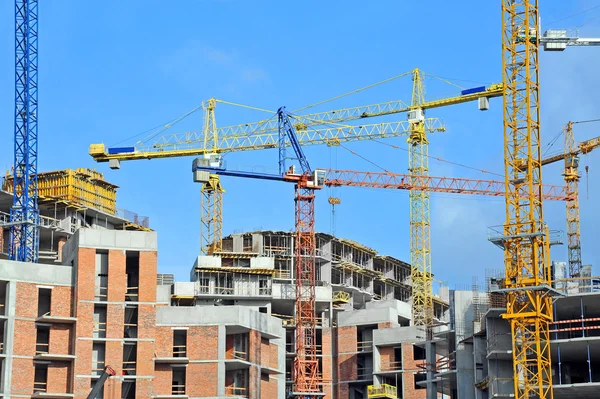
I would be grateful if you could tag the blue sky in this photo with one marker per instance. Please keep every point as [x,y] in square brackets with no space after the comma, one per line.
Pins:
[111,70]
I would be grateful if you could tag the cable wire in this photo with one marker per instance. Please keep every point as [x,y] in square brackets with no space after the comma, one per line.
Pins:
[574,15]
[353,91]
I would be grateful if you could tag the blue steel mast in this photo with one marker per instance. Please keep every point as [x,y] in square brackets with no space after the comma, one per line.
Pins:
[24,214]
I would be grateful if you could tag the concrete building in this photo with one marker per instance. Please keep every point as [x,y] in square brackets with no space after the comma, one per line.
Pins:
[480,365]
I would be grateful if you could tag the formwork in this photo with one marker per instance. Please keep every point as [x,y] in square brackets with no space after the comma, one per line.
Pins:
[81,186]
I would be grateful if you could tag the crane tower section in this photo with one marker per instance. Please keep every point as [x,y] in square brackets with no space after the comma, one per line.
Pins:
[526,242]
[24,226]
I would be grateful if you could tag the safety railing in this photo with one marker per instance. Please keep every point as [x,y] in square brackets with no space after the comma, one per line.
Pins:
[132,217]
[501,387]
[236,391]
[382,391]
[282,274]
[179,350]
[40,387]
[178,389]
[42,348]
[364,346]
[129,367]
[575,328]
[99,329]
[364,373]
[97,368]
[240,355]
[391,366]
[101,293]
[131,293]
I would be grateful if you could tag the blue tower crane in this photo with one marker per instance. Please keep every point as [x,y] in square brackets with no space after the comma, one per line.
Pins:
[24,214]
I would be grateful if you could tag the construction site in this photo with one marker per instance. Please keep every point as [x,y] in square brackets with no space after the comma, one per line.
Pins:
[88,308]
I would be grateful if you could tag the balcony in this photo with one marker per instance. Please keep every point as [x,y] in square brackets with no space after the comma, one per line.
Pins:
[382,391]
[179,356]
[48,318]
[236,392]
[364,346]
[387,367]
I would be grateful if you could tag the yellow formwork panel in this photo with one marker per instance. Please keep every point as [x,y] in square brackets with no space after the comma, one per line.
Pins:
[81,186]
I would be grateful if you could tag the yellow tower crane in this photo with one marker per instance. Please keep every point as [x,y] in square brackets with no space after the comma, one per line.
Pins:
[571,175]
[526,238]
[313,129]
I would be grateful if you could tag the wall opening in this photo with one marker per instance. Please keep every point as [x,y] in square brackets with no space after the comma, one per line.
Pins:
[40,377]
[178,381]
[101,280]
[3,285]
[179,343]
[2,336]
[42,341]
[128,389]
[132,269]
[130,323]
[129,358]
[98,356]
[99,321]
[44,301]
[418,353]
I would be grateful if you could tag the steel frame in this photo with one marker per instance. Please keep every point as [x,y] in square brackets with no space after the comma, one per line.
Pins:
[306,366]
[24,214]
[526,242]
[571,176]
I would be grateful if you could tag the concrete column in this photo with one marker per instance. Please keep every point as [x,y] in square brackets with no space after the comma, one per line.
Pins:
[9,335]
[430,359]
[221,363]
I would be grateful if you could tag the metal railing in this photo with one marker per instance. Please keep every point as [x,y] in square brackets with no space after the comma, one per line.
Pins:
[40,387]
[99,329]
[382,391]
[42,348]
[178,389]
[179,350]
[364,373]
[129,366]
[131,293]
[143,221]
[391,366]
[364,346]
[102,293]
[240,355]
[236,391]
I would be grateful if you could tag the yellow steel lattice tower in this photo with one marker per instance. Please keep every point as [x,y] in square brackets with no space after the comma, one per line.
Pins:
[571,176]
[211,193]
[526,242]
[418,164]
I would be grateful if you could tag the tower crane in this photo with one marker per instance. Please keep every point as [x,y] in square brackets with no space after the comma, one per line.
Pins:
[526,237]
[307,382]
[24,214]
[571,175]
[264,134]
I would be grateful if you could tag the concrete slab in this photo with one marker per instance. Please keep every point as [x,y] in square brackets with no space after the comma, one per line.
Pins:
[36,273]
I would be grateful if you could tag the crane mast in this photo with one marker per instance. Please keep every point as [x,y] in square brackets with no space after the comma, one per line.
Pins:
[571,176]
[526,237]
[418,164]
[24,214]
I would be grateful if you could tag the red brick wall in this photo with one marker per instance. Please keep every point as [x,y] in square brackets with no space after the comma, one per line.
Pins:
[26,304]
[147,321]
[410,365]
[327,362]
[254,383]
[164,342]
[62,302]
[22,376]
[386,355]
[117,281]
[60,339]
[162,379]
[145,353]
[229,347]
[387,324]
[265,354]
[147,281]
[346,339]
[202,343]
[86,270]
[115,317]
[24,343]
[274,356]
[59,377]
[268,388]
[347,367]
[204,381]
